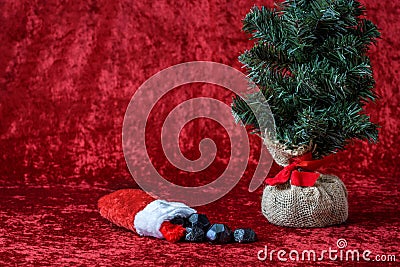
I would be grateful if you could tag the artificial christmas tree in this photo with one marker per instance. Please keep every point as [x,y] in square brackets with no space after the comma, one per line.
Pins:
[310,63]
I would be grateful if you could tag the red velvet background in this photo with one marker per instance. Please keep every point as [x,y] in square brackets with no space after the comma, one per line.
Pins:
[67,72]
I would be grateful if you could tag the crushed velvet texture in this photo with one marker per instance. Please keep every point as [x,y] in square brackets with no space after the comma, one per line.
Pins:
[67,72]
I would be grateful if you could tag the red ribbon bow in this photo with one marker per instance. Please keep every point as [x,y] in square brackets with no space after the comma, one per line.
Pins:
[307,177]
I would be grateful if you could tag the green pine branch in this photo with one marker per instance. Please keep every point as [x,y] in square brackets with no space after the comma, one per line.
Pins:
[309,61]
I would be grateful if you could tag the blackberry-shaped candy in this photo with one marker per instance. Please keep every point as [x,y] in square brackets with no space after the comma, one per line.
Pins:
[244,235]
[219,234]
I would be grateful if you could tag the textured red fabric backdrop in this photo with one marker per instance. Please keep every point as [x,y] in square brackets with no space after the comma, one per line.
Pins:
[68,70]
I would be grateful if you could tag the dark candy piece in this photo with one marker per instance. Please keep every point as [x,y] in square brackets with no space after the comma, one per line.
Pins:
[245,235]
[179,221]
[219,234]
[198,220]
[194,234]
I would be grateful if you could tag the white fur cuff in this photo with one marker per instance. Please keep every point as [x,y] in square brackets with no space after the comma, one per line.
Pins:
[148,221]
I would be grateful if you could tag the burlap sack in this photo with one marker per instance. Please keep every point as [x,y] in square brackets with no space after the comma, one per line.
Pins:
[281,153]
[320,205]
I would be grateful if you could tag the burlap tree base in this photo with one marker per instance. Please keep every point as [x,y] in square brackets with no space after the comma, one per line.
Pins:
[320,205]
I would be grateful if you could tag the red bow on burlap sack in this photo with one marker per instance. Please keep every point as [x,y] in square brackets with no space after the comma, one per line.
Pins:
[307,177]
